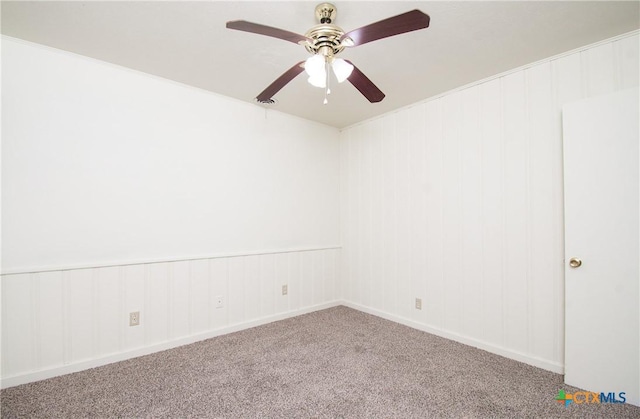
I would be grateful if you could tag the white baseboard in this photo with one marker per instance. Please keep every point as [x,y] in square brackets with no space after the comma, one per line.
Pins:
[507,353]
[146,350]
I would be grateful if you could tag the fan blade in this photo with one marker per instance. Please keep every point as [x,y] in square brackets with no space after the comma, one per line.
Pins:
[243,25]
[364,85]
[280,82]
[396,25]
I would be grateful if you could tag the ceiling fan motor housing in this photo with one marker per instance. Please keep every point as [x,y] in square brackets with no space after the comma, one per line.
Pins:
[326,39]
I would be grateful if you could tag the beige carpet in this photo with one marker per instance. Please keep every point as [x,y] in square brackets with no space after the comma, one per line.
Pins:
[335,363]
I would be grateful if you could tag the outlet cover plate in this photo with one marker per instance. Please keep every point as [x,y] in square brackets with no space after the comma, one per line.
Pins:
[134,318]
[285,289]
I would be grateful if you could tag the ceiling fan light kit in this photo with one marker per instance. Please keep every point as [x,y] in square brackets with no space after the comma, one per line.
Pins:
[316,65]
[341,69]
[324,41]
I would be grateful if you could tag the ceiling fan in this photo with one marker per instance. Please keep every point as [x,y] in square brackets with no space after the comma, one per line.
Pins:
[326,40]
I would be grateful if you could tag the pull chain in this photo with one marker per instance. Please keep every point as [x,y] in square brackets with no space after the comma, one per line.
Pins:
[328,81]
[328,91]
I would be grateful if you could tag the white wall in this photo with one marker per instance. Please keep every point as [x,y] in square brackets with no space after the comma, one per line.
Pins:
[458,201]
[104,167]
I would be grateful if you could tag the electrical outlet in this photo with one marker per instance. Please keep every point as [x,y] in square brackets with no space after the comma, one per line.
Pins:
[134,318]
[219,301]
[285,289]
[418,303]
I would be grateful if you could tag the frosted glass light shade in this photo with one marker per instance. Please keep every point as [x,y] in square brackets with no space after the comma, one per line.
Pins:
[319,80]
[341,69]
[314,66]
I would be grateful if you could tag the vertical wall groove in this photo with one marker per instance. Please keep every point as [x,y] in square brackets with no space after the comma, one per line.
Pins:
[503,211]
[226,280]
[121,309]
[461,276]
[190,291]
[169,301]
[35,323]
[370,273]
[3,330]
[558,231]
[146,300]
[396,257]
[442,248]
[528,210]
[95,329]
[66,350]
[617,69]
[584,74]
[482,220]
[409,278]
[425,187]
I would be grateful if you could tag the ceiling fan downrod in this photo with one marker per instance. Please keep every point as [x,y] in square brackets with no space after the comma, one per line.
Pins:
[325,12]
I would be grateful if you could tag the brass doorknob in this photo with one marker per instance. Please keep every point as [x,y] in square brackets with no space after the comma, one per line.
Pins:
[575,262]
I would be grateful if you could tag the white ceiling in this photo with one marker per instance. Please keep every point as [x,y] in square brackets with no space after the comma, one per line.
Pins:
[188,42]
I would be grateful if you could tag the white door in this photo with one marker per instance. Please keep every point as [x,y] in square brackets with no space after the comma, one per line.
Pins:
[602,295]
